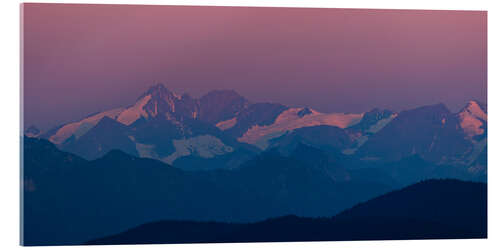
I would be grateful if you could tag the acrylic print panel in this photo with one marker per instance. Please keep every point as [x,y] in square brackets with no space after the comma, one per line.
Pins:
[176,124]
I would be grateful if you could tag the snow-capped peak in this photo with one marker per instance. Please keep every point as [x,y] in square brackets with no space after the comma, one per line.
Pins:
[472,119]
[157,100]
[294,118]
[476,109]
[157,88]
[161,101]
[159,92]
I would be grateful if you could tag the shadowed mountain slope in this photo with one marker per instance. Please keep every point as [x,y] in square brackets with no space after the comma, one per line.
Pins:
[433,209]
[68,200]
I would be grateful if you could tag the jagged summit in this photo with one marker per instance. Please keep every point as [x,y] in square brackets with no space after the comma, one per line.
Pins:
[161,123]
[159,91]
[475,107]
[159,87]
[159,101]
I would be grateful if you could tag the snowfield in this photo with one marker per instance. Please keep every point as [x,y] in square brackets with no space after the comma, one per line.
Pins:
[205,146]
[132,114]
[227,124]
[290,120]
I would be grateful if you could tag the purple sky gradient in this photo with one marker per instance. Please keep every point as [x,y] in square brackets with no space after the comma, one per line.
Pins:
[79,59]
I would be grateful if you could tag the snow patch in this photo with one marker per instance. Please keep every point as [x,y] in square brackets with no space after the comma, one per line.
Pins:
[289,120]
[205,146]
[263,142]
[227,124]
[474,108]
[145,150]
[375,128]
[80,128]
[135,112]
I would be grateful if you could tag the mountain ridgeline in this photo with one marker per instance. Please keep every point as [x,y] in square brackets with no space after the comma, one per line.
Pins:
[68,199]
[220,168]
[227,129]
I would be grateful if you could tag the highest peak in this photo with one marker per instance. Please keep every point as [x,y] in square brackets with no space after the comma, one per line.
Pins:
[159,87]
[159,91]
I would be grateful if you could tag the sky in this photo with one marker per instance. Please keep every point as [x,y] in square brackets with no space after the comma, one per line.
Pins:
[80,59]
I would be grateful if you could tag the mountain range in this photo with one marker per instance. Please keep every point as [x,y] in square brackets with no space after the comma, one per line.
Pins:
[68,199]
[231,168]
[227,129]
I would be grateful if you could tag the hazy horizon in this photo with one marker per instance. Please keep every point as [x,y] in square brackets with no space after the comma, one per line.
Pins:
[198,96]
[81,59]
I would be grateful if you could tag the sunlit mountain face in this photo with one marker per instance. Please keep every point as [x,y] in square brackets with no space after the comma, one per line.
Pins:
[165,126]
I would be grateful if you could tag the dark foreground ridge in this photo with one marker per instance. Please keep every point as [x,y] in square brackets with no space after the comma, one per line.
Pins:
[432,209]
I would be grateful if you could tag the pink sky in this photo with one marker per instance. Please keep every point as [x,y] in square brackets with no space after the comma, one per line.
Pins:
[79,59]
